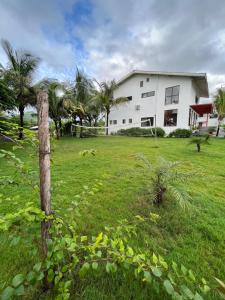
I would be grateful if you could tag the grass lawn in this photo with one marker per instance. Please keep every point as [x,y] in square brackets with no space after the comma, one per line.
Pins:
[194,237]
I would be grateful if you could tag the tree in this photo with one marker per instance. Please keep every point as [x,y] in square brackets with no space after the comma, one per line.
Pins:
[198,141]
[56,103]
[7,100]
[78,101]
[165,177]
[220,107]
[104,97]
[18,76]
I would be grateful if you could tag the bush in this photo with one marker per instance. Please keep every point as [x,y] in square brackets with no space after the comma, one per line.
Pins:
[138,131]
[180,133]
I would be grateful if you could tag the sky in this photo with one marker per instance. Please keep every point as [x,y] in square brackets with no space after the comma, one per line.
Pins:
[109,38]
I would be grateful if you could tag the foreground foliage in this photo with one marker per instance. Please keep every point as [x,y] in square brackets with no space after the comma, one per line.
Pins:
[167,230]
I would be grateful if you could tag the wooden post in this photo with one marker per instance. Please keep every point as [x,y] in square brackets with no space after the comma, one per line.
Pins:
[44,165]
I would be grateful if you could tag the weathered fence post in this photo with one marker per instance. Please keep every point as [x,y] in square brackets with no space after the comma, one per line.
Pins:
[44,164]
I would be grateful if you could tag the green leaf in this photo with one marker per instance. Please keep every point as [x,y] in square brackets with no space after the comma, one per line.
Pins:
[37,267]
[7,293]
[19,291]
[83,238]
[198,297]
[147,277]
[40,276]
[108,267]
[154,259]
[31,277]
[187,292]
[51,275]
[84,269]
[168,286]
[17,280]
[94,265]
[156,271]
[183,270]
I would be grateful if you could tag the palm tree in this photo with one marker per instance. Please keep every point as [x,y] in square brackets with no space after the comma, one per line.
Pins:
[198,141]
[220,107]
[56,103]
[79,100]
[7,100]
[165,177]
[18,75]
[104,97]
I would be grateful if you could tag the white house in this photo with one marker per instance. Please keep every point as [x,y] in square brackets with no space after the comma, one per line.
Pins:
[168,100]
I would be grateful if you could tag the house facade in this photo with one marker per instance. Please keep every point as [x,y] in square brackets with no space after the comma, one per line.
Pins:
[158,99]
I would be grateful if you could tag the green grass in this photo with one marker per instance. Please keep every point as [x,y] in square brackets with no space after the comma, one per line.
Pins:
[194,237]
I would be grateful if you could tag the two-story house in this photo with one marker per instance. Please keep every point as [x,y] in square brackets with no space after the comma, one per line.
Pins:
[159,99]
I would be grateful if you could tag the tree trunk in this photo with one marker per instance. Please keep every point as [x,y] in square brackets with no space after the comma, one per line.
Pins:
[21,110]
[218,129]
[60,128]
[198,147]
[81,128]
[57,129]
[107,123]
[44,166]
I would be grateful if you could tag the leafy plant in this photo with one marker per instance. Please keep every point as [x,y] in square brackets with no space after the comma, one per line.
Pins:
[180,133]
[72,256]
[219,103]
[137,131]
[165,177]
[198,141]
[18,78]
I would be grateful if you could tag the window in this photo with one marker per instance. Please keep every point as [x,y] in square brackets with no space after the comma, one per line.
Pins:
[172,95]
[110,122]
[141,83]
[147,122]
[124,121]
[147,79]
[130,121]
[170,117]
[114,122]
[129,98]
[148,94]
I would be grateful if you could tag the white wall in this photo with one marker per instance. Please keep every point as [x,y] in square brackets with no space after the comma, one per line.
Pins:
[155,105]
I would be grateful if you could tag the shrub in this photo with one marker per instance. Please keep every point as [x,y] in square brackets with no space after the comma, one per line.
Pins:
[165,177]
[138,131]
[198,141]
[180,133]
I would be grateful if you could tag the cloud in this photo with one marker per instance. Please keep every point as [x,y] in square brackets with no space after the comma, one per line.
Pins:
[110,38]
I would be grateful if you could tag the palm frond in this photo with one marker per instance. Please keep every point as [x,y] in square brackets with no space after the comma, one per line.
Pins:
[180,195]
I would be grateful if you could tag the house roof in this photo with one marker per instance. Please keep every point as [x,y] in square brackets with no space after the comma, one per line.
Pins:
[203,108]
[200,79]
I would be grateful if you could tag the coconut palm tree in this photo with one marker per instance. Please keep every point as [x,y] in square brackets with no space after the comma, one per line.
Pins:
[7,100]
[104,97]
[78,100]
[220,107]
[18,75]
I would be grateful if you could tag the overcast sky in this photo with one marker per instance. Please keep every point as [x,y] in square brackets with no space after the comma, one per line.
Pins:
[108,38]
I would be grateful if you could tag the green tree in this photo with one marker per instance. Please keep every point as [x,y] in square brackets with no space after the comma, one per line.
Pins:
[7,100]
[220,107]
[165,177]
[18,76]
[103,96]
[198,141]
[79,102]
